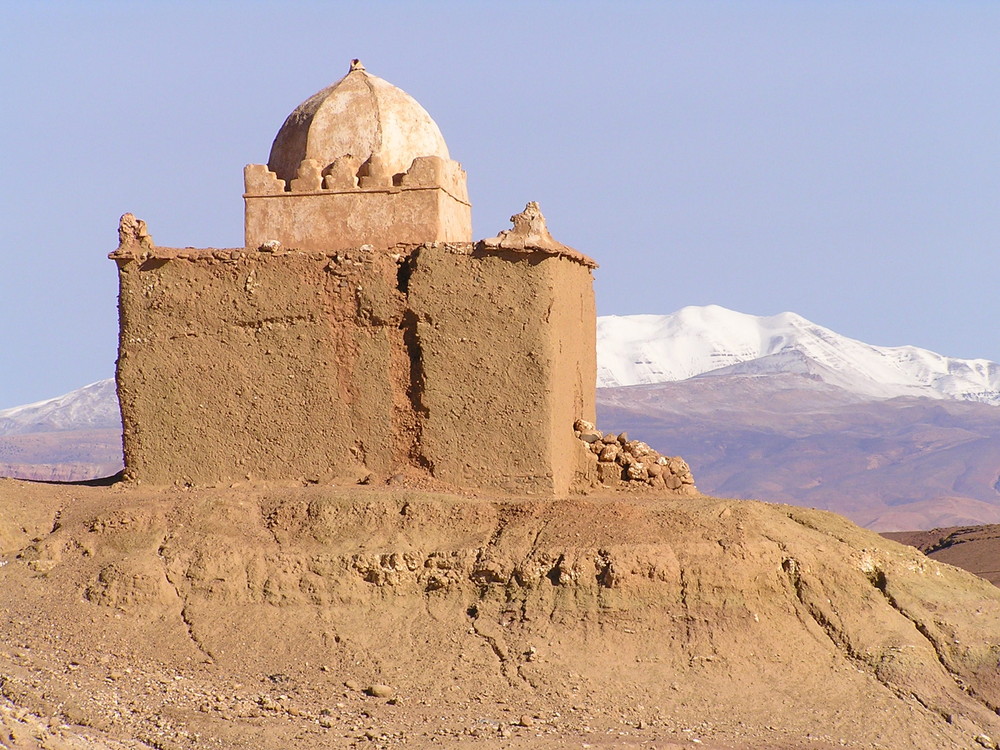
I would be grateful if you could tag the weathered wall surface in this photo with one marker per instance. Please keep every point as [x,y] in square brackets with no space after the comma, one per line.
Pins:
[470,365]
[499,355]
[572,330]
[273,366]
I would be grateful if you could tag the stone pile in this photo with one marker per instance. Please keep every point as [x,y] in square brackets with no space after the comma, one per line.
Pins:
[632,462]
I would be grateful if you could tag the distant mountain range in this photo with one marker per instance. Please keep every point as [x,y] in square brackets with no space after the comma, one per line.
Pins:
[779,408]
[775,408]
[94,406]
[645,349]
[896,464]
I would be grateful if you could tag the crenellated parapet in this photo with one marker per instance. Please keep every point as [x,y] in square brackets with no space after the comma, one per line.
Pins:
[259,180]
[349,174]
[433,171]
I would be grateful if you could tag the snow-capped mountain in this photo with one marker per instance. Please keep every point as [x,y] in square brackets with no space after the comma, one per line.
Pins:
[94,406]
[645,349]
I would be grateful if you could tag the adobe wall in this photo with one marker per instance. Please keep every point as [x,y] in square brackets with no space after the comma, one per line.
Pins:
[470,364]
[273,366]
[572,326]
[507,344]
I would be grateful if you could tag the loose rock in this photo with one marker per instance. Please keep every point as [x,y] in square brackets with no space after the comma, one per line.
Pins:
[380,691]
[609,453]
[639,463]
[636,472]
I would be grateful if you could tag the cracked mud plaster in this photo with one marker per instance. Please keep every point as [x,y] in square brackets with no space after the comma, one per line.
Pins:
[358,364]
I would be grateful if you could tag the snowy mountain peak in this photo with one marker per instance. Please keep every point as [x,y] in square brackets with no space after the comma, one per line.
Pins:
[642,349]
[93,406]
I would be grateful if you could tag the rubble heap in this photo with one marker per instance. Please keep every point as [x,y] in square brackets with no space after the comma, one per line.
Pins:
[632,463]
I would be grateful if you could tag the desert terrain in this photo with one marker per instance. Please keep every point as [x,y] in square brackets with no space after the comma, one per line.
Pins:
[304,616]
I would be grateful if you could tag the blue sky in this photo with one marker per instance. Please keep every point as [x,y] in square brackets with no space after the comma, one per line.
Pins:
[837,159]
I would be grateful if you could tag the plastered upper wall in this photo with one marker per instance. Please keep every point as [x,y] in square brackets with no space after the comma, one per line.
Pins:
[333,208]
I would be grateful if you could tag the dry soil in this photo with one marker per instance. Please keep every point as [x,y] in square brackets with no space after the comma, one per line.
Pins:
[317,616]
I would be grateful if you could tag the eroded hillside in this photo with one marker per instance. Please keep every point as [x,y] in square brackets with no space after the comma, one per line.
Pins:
[260,616]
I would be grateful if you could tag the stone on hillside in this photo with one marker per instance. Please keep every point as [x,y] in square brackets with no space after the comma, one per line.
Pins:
[678,466]
[380,691]
[636,472]
[622,460]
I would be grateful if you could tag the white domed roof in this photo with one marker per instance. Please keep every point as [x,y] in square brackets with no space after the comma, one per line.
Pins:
[360,115]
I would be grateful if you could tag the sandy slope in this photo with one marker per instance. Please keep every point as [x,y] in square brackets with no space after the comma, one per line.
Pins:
[256,616]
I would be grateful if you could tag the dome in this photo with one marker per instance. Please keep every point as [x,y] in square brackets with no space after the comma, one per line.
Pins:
[361,115]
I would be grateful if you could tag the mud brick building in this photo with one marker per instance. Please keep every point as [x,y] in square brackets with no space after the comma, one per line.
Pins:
[360,332]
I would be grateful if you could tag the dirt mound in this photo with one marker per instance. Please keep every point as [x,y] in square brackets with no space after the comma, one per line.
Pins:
[318,616]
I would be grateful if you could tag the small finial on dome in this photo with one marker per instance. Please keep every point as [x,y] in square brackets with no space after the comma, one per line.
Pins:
[356,65]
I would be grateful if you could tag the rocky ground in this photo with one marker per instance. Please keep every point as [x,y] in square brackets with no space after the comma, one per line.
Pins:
[315,616]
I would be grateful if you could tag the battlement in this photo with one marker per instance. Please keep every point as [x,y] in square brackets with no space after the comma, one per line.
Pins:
[347,175]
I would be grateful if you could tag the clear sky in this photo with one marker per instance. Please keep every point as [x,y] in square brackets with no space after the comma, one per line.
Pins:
[837,159]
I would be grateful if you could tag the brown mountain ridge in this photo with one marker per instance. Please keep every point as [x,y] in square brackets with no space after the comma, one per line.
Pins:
[974,548]
[888,465]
